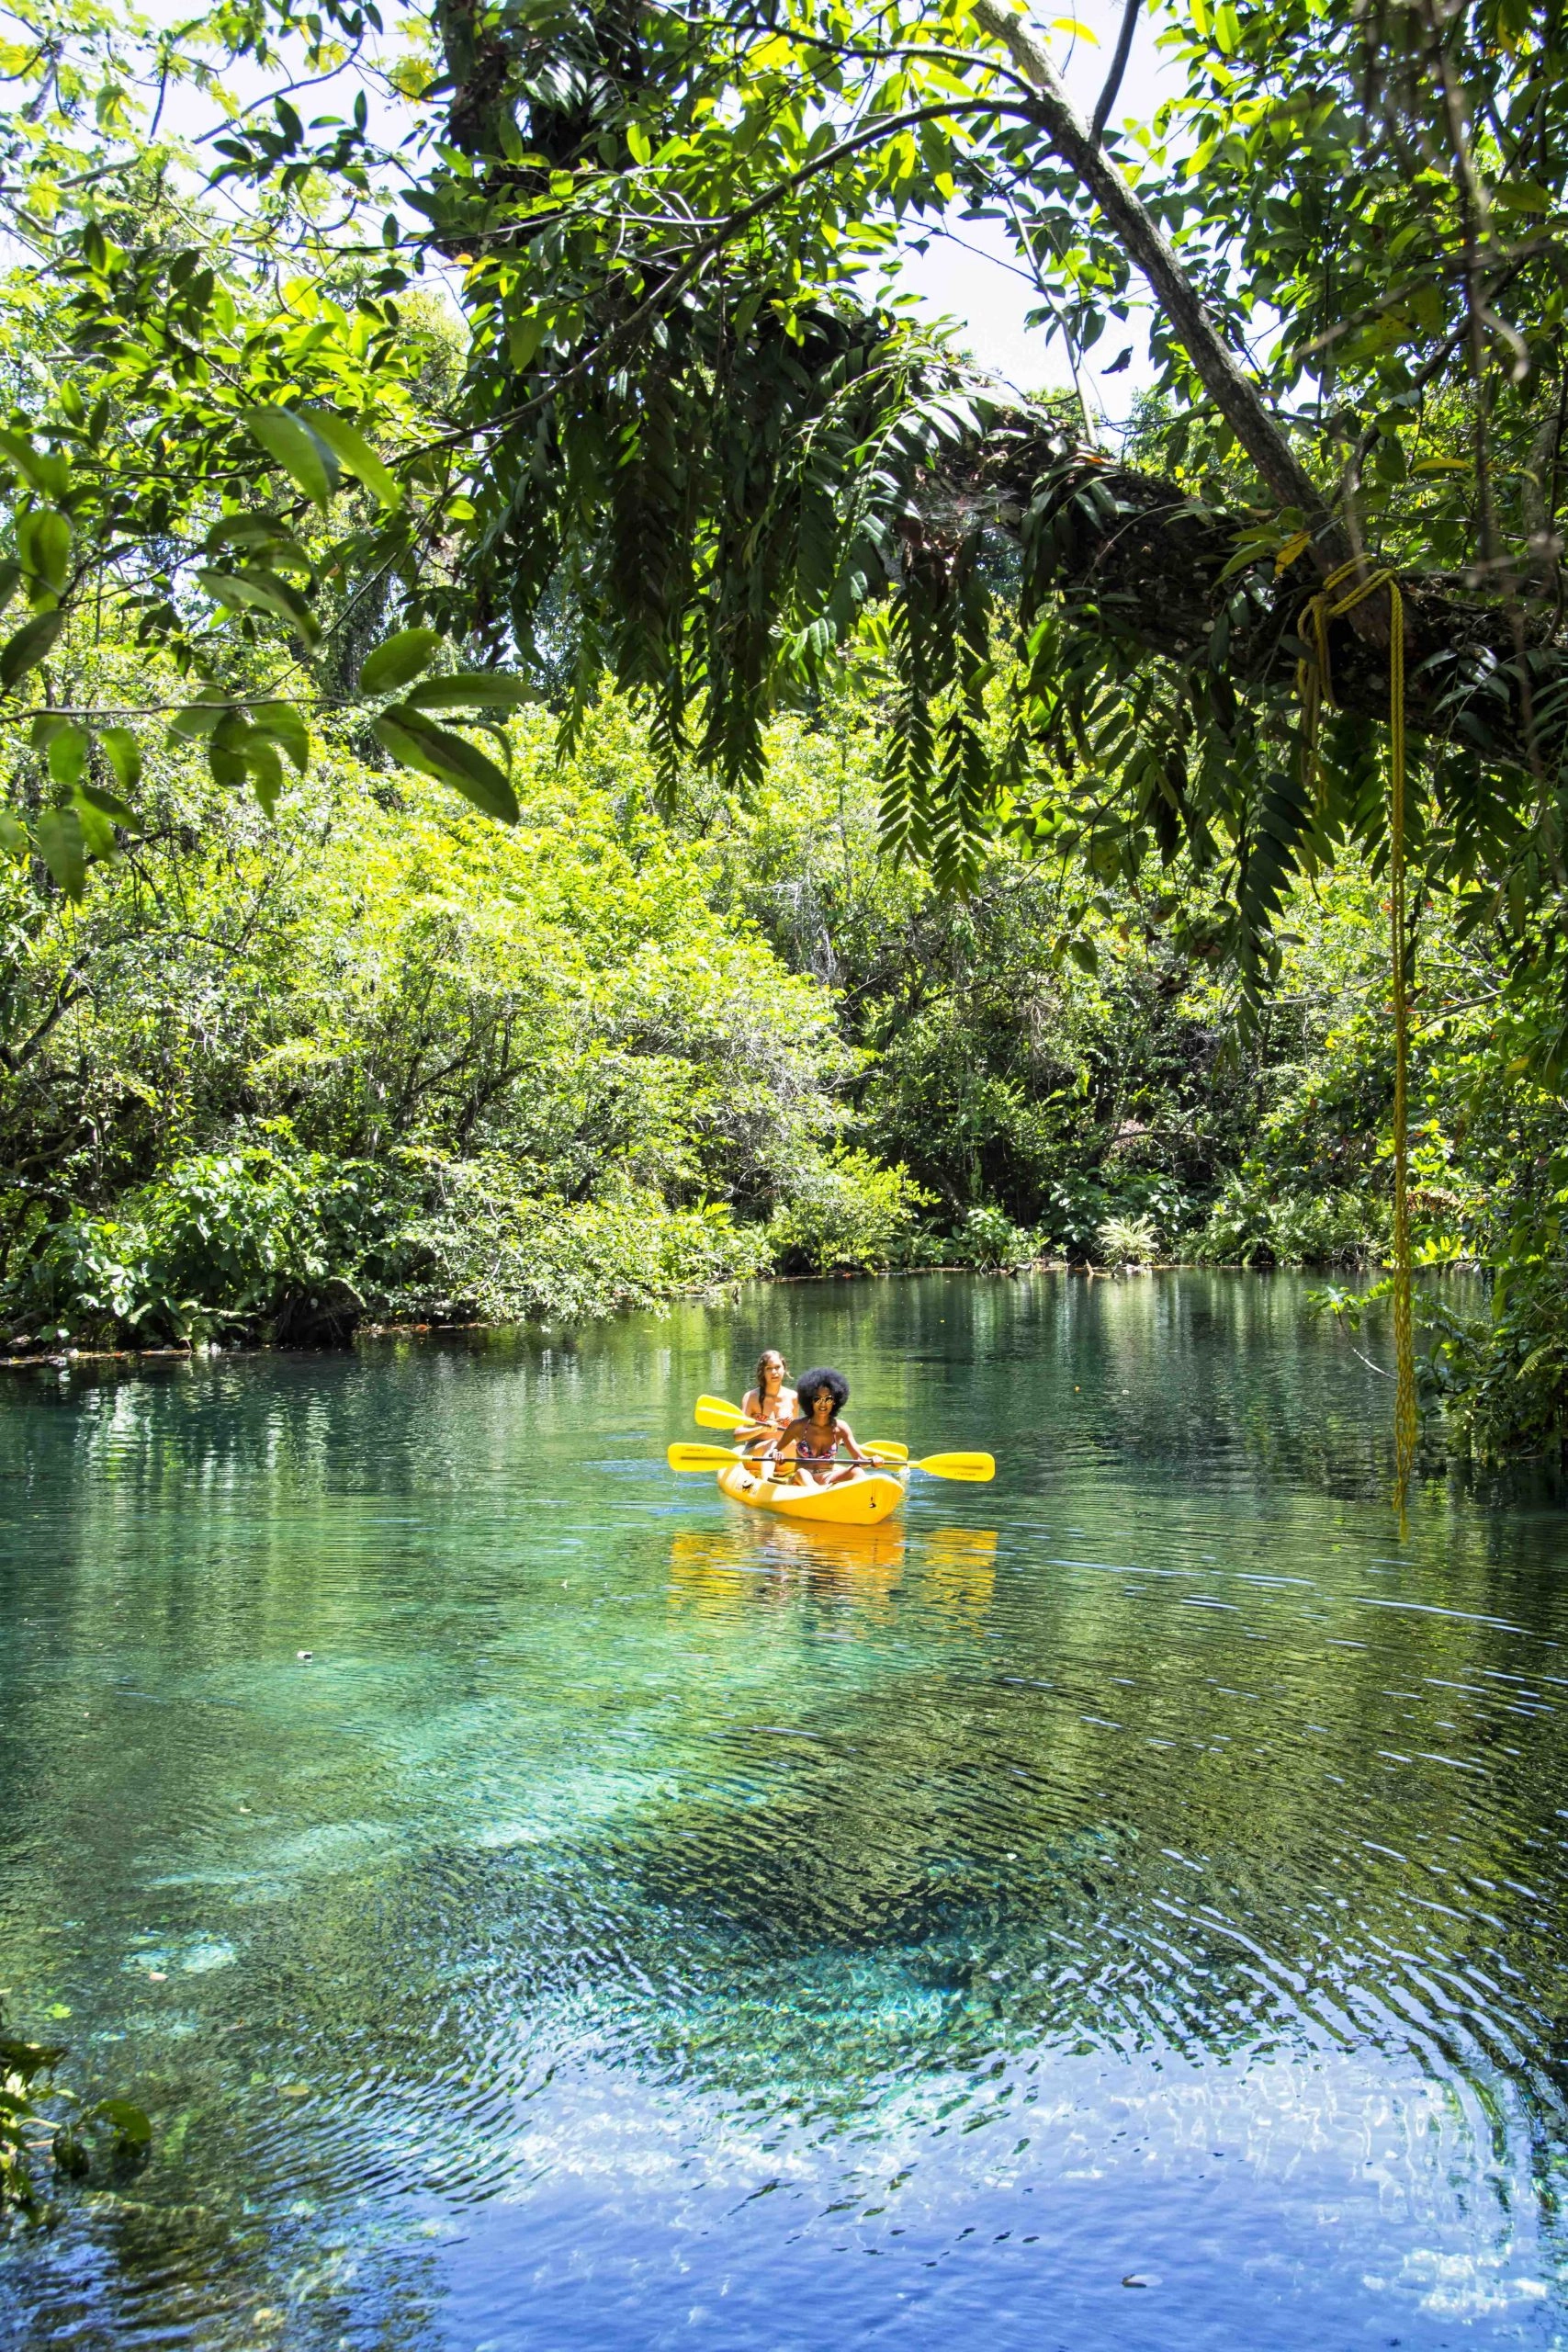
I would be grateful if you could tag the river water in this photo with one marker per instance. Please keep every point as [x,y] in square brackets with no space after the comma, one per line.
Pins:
[1119,1907]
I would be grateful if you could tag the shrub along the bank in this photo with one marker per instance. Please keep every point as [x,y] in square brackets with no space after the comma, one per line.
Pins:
[381,1057]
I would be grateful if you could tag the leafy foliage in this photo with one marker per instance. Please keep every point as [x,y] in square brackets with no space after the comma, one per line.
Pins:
[688,442]
[38,2117]
[370,1058]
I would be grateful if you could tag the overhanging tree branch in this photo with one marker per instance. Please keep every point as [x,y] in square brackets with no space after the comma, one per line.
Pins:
[1224,379]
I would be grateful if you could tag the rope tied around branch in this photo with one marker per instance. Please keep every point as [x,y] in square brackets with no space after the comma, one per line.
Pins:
[1315,687]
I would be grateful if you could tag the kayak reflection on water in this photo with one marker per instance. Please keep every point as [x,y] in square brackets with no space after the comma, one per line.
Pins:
[726,1573]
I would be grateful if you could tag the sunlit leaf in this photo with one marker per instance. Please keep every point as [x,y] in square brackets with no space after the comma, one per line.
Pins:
[44,539]
[263,592]
[265,766]
[68,755]
[474,689]
[44,471]
[287,725]
[393,662]
[436,751]
[97,831]
[109,803]
[32,644]
[197,719]
[351,450]
[126,2121]
[123,753]
[304,457]
[58,834]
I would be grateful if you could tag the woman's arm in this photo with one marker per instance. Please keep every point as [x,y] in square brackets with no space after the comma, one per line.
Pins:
[786,1450]
[846,1440]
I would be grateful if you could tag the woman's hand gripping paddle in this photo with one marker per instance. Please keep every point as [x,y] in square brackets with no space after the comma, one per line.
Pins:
[714,1413]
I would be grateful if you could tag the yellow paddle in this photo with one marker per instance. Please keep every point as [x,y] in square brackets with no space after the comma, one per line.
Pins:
[714,1413]
[976,1467]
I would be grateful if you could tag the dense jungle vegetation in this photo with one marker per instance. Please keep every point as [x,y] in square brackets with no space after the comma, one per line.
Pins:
[561,748]
[369,1056]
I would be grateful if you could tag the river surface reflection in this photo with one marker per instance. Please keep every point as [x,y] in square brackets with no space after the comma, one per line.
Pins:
[1119,1907]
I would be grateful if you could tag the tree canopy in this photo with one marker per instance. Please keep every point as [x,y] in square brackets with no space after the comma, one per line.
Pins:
[690,438]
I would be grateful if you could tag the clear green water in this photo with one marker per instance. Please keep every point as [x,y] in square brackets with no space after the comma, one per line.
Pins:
[1121,1907]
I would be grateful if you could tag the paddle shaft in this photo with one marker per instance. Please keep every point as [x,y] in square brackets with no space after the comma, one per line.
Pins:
[684,1456]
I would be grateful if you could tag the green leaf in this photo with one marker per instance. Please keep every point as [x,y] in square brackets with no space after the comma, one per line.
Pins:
[353,451]
[96,830]
[109,803]
[62,848]
[226,750]
[265,763]
[393,662]
[287,726]
[263,592]
[123,753]
[524,336]
[32,644]
[10,581]
[303,455]
[43,537]
[68,755]
[474,689]
[13,835]
[262,536]
[197,720]
[638,144]
[129,2122]
[46,473]
[434,750]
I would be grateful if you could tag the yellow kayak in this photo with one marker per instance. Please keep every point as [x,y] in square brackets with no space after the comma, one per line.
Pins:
[859,1502]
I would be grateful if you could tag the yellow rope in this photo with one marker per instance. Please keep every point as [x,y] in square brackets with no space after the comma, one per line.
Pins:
[1313,684]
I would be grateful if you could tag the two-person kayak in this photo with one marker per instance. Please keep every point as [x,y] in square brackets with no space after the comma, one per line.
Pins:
[870,1497]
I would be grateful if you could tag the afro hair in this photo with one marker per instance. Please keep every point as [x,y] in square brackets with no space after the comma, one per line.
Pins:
[808,1388]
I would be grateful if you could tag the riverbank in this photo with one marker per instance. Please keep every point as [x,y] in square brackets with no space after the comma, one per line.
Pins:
[23,1350]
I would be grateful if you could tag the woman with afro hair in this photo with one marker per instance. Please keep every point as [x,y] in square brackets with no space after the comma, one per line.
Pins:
[817,1442]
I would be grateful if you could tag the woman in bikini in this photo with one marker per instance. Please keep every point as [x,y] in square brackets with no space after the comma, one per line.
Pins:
[814,1441]
[770,1404]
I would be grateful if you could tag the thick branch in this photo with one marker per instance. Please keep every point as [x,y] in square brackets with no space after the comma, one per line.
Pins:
[1224,379]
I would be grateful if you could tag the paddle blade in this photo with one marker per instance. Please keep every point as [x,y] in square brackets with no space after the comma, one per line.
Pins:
[698,1457]
[717,1413]
[977,1466]
[884,1448]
